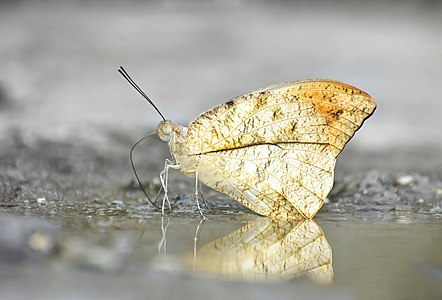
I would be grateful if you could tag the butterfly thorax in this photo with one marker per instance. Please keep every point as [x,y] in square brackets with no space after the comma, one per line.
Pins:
[175,135]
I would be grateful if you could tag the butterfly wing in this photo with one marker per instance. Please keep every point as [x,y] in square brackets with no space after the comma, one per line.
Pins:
[274,150]
[286,180]
[309,111]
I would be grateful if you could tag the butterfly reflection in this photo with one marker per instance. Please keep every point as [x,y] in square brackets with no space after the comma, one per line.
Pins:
[266,249]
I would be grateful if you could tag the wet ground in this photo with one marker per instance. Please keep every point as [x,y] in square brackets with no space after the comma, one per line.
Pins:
[73,222]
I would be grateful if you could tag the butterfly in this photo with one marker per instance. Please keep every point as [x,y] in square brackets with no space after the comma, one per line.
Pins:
[274,150]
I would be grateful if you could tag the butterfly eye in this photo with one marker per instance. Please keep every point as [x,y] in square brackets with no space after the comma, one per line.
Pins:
[164,131]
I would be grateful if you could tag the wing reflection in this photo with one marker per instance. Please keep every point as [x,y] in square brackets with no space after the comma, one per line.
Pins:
[266,249]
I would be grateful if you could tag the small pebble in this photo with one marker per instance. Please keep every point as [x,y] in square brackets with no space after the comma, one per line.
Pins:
[41,201]
[41,242]
[118,203]
[405,180]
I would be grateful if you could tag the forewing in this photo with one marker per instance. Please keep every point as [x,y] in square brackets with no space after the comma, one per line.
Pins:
[285,180]
[307,112]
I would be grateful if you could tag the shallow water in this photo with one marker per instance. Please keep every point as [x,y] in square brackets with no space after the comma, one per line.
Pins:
[397,258]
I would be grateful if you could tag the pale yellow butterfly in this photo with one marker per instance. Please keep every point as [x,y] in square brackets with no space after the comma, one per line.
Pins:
[274,149]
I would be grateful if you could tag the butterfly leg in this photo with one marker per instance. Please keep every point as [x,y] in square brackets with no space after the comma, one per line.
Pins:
[196,196]
[163,242]
[164,174]
[204,199]
[164,178]
[158,195]
[195,240]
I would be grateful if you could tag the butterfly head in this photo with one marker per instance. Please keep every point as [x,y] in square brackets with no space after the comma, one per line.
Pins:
[165,130]
[175,136]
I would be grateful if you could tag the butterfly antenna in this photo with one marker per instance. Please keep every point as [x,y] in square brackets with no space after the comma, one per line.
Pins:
[126,76]
[135,171]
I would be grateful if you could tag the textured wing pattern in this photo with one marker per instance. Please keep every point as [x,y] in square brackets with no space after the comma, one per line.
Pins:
[311,111]
[269,250]
[285,180]
[274,150]
[344,107]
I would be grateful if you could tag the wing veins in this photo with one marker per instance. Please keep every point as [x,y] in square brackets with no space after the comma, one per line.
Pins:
[334,105]
[344,93]
[253,188]
[305,172]
[253,114]
[267,125]
[249,116]
[286,185]
[245,184]
[352,96]
[243,235]
[294,253]
[342,131]
[259,144]
[276,145]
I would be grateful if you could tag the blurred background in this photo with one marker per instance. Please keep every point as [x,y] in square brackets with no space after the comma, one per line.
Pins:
[59,61]
[68,120]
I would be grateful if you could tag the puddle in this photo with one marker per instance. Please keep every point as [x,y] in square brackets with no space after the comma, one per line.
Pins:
[341,256]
